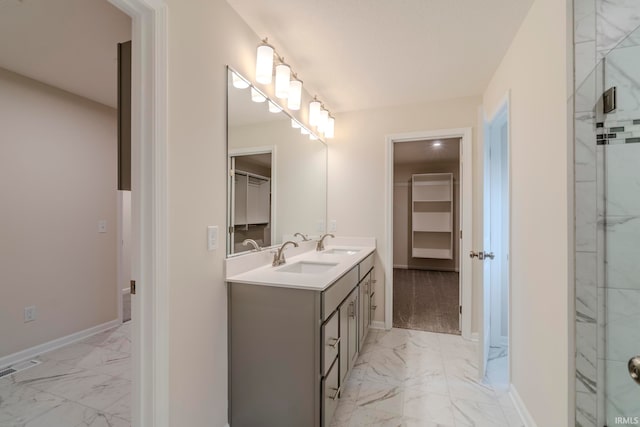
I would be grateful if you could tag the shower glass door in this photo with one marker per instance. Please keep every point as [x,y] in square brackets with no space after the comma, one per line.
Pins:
[618,182]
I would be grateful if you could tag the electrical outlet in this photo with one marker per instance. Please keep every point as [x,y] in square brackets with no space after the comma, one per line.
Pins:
[30,313]
[333,225]
[320,226]
[102,226]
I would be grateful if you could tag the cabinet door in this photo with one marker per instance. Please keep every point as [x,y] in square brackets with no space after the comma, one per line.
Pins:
[344,340]
[353,328]
[361,299]
[330,394]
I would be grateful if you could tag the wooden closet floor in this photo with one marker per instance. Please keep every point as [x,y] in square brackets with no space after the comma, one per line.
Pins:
[426,300]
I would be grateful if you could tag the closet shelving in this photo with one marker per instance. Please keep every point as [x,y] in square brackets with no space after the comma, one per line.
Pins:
[432,215]
[252,199]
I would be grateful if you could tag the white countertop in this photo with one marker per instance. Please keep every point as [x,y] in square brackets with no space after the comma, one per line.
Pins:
[272,276]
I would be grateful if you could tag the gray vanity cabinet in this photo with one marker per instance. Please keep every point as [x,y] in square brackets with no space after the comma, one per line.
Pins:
[348,334]
[291,350]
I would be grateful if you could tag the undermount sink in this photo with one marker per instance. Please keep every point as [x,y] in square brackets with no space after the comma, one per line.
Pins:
[308,267]
[337,251]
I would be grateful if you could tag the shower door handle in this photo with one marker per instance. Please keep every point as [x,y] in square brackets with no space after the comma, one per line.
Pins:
[634,368]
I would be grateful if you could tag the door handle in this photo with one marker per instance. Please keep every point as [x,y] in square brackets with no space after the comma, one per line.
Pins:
[473,254]
[481,255]
[489,255]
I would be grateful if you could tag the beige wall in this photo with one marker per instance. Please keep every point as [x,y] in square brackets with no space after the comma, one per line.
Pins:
[402,215]
[358,156]
[57,180]
[535,70]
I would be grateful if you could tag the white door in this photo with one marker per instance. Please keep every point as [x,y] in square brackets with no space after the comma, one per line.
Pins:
[493,254]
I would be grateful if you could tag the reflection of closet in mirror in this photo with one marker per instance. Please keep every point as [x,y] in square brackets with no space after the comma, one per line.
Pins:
[251,200]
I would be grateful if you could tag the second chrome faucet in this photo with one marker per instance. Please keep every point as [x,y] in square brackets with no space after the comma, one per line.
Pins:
[278,255]
[320,245]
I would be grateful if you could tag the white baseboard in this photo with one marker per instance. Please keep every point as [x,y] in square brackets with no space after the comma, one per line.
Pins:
[126,291]
[475,337]
[401,266]
[32,352]
[521,408]
[377,324]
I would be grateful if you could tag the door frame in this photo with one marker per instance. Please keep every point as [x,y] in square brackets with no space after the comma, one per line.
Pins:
[238,152]
[466,223]
[503,108]
[150,212]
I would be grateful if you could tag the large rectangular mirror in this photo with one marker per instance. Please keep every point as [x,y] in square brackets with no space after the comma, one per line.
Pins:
[277,177]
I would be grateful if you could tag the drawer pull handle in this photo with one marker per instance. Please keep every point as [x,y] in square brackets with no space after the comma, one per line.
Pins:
[352,309]
[373,307]
[375,281]
[335,344]
[337,390]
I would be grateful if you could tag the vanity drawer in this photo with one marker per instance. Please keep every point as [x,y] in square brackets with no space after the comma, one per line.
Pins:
[330,393]
[331,342]
[332,297]
[365,265]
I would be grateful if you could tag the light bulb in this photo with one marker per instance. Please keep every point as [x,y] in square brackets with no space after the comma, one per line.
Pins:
[274,108]
[314,112]
[295,124]
[264,63]
[304,131]
[239,82]
[283,74]
[295,93]
[257,96]
[313,137]
[330,128]
[322,121]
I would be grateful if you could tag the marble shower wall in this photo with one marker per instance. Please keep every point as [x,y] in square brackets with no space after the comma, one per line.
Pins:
[607,291]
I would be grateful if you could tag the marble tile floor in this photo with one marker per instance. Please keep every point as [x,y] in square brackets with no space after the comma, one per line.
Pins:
[497,367]
[415,378]
[84,384]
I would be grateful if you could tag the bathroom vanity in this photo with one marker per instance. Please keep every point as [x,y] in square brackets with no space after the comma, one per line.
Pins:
[295,332]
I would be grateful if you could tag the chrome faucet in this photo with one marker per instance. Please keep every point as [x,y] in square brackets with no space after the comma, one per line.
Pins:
[253,243]
[305,238]
[278,256]
[320,245]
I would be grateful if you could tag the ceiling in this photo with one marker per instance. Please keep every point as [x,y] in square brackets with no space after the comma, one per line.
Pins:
[361,54]
[69,44]
[427,151]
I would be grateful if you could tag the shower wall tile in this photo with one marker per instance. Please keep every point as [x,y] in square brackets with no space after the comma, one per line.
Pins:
[586,216]
[615,19]
[622,234]
[586,357]
[585,409]
[585,154]
[622,398]
[585,59]
[586,287]
[623,318]
[584,14]
[585,95]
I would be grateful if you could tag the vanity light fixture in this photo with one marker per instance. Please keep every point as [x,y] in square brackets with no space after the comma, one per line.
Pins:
[313,137]
[322,121]
[239,82]
[274,108]
[264,63]
[283,77]
[295,93]
[257,96]
[295,124]
[304,130]
[314,111]
[330,128]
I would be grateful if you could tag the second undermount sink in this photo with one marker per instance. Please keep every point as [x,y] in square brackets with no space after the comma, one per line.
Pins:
[340,251]
[308,267]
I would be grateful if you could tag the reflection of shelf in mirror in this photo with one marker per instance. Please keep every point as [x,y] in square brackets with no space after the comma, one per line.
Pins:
[432,221]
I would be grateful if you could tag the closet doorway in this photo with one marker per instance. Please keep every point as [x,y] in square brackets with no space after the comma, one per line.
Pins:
[428,216]
[426,249]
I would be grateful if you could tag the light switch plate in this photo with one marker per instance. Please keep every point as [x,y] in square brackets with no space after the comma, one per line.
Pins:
[212,237]
[333,225]
[102,226]
[320,226]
